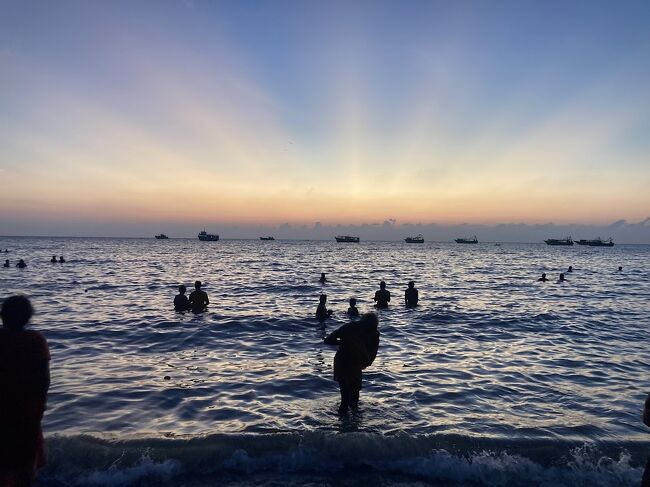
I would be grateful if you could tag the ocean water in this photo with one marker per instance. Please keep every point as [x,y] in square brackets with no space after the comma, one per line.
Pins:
[495,379]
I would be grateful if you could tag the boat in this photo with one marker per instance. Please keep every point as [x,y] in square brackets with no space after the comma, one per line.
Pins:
[267,238]
[559,241]
[472,240]
[418,239]
[347,239]
[161,236]
[599,242]
[582,242]
[207,237]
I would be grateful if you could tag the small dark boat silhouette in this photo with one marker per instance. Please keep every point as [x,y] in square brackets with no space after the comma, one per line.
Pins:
[161,236]
[208,237]
[347,239]
[559,241]
[472,240]
[267,238]
[599,242]
[418,239]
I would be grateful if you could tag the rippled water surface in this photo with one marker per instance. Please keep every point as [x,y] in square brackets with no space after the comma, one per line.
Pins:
[490,355]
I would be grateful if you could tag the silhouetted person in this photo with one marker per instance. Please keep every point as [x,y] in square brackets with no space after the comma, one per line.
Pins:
[6,264]
[411,295]
[198,299]
[181,303]
[570,269]
[382,297]
[561,279]
[353,312]
[620,268]
[358,342]
[645,481]
[21,264]
[61,259]
[24,381]
[322,313]
[543,278]
[322,277]
[53,259]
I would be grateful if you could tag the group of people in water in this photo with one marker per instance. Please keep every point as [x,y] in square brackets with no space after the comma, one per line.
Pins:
[562,277]
[21,264]
[197,302]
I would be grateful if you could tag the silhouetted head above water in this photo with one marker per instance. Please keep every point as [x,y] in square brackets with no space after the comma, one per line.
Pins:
[16,312]
[411,284]
[353,302]
[197,285]
[182,289]
[561,277]
[570,269]
[323,298]
[382,285]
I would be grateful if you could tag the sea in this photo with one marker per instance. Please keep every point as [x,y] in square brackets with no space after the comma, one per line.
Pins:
[495,379]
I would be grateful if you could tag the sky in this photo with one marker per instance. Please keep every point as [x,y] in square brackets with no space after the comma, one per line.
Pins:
[119,118]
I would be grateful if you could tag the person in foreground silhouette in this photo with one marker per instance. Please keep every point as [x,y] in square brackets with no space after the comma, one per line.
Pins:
[6,264]
[53,259]
[322,277]
[181,303]
[322,313]
[24,381]
[61,259]
[645,481]
[198,299]
[411,295]
[358,342]
[561,279]
[21,264]
[353,312]
[570,269]
[382,297]
[543,278]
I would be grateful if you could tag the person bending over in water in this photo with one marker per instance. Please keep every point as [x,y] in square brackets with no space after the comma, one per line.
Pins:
[61,259]
[543,278]
[411,295]
[198,299]
[358,342]
[21,264]
[353,312]
[322,313]
[53,259]
[6,264]
[322,277]
[24,381]
[561,279]
[382,297]
[181,303]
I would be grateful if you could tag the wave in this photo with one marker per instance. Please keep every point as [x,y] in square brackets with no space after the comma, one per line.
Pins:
[326,457]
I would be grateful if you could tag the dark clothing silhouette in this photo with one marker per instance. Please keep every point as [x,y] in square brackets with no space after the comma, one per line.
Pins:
[199,301]
[322,313]
[358,343]
[382,297]
[61,260]
[53,260]
[411,297]
[21,264]
[181,303]
[353,311]
[24,381]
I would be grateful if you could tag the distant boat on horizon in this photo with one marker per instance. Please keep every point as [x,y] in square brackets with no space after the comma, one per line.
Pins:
[418,239]
[347,239]
[208,237]
[599,242]
[559,241]
[267,238]
[472,240]
[161,236]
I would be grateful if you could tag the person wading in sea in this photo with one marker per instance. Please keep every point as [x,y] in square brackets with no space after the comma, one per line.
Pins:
[198,299]
[358,342]
[24,381]
[382,297]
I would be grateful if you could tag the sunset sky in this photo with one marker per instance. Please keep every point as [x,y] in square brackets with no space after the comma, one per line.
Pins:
[210,113]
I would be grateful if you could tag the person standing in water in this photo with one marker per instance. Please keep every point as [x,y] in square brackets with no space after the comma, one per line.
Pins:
[570,269]
[24,382]
[322,278]
[322,313]
[382,297]
[181,303]
[357,342]
[353,312]
[561,279]
[411,295]
[198,299]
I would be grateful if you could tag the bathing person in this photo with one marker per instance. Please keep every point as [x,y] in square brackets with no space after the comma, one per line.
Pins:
[322,277]
[198,299]
[21,264]
[543,278]
[353,312]
[358,342]
[6,264]
[570,269]
[61,259]
[382,297]
[53,259]
[24,381]
[411,295]
[181,303]
[322,313]
[620,268]
[561,279]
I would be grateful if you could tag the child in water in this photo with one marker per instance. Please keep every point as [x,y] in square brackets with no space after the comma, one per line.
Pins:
[181,303]
[353,312]
[322,313]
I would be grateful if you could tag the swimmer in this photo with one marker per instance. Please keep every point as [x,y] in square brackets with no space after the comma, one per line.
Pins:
[620,268]
[543,278]
[21,264]
[322,277]
[61,259]
[322,313]
[6,264]
[561,279]
[570,269]
[53,259]
[382,297]
[353,312]
[181,303]
[411,295]
[198,299]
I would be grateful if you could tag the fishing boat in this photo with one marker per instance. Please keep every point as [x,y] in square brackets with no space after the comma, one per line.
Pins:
[582,242]
[559,241]
[599,242]
[472,240]
[207,237]
[418,239]
[161,236]
[267,238]
[347,239]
